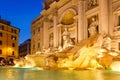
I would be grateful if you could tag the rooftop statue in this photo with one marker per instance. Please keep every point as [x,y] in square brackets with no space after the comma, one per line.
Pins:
[47,3]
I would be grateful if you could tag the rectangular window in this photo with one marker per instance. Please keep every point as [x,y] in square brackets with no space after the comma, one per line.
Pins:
[13,37]
[13,53]
[1,27]
[38,29]
[38,45]
[118,20]
[33,47]
[0,51]
[1,34]
[14,31]
[0,42]
[13,44]
[119,46]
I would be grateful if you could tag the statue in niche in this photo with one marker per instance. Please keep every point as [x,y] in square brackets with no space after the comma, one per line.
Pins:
[51,40]
[47,3]
[93,27]
[67,41]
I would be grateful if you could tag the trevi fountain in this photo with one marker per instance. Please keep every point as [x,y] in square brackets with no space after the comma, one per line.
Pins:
[91,59]
[92,53]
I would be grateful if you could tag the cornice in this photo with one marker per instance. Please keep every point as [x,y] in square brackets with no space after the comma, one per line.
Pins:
[54,6]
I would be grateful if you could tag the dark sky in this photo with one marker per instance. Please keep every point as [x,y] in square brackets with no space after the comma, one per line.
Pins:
[21,13]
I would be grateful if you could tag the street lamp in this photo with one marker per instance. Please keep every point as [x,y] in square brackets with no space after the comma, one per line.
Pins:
[9,51]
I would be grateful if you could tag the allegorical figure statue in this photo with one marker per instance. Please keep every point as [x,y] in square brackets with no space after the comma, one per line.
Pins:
[107,42]
[66,39]
[51,41]
[93,27]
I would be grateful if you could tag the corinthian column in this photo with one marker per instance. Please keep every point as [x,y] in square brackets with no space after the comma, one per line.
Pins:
[45,35]
[104,16]
[55,30]
[80,20]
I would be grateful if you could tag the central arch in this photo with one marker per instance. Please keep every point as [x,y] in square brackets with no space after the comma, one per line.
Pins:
[67,18]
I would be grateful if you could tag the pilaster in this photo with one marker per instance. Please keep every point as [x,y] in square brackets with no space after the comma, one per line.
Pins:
[59,34]
[55,30]
[80,20]
[104,16]
[45,35]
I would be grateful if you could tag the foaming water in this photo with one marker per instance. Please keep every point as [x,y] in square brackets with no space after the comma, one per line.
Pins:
[36,74]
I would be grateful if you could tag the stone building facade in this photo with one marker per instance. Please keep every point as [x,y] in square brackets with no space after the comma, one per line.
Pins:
[9,36]
[25,48]
[82,18]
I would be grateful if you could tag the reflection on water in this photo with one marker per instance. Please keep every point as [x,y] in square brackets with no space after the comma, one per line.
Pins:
[33,74]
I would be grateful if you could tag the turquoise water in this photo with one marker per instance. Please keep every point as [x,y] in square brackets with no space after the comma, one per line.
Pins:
[34,74]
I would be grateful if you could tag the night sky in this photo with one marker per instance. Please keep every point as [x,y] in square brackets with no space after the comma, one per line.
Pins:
[21,13]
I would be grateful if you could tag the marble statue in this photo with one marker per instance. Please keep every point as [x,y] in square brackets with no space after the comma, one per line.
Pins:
[93,27]
[67,42]
[107,42]
[51,41]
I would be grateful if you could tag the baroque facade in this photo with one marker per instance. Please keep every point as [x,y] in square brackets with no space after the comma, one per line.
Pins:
[81,19]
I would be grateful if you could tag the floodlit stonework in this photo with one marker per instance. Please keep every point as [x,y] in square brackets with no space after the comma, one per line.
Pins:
[81,18]
[9,36]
